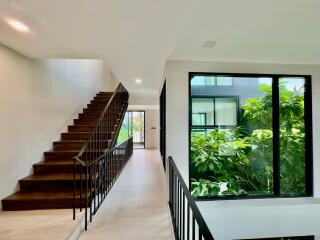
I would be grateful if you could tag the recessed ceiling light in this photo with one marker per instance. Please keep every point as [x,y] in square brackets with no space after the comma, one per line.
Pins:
[19,26]
[138,80]
[209,44]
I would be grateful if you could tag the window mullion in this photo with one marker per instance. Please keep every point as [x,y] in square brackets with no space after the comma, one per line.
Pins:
[276,136]
[308,137]
[214,111]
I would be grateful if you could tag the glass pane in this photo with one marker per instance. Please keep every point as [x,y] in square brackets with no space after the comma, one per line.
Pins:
[224,81]
[197,80]
[199,119]
[124,130]
[138,127]
[237,161]
[226,111]
[292,136]
[209,80]
[202,111]
[203,80]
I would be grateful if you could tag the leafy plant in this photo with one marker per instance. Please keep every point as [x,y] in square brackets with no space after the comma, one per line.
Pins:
[239,161]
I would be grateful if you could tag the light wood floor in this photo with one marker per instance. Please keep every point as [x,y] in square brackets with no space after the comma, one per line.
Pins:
[136,207]
[39,225]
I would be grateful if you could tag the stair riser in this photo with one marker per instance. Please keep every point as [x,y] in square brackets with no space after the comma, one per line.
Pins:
[79,128]
[44,185]
[92,111]
[90,121]
[60,146]
[100,101]
[59,155]
[40,204]
[98,106]
[53,185]
[42,169]
[89,115]
[74,136]
[80,136]
[75,146]
[104,94]
[102,98]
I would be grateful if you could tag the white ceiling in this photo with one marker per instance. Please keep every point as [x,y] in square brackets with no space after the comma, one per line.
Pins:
[136,37]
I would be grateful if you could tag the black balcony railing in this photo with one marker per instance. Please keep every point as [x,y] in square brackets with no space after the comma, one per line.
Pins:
[187,220]
[100,162]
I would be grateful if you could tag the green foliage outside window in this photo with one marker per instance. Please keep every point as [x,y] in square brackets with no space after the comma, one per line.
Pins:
[239,161]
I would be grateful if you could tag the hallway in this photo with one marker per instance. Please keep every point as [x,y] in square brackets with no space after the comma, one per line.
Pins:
[136,207]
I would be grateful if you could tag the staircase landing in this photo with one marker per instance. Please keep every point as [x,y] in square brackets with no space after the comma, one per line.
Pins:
[40,224]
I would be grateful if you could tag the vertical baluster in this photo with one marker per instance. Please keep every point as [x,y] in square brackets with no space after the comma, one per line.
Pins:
[193,228]
[91,192]
[86,200]
[109,171]
[175,202]
[188,221]
[94,172]
[174,197]
[105,175]
[74,189]
[183,215]
[170,186]
[179,210]
[80,174]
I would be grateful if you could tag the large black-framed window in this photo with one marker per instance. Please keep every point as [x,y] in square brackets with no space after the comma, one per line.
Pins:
[266,152]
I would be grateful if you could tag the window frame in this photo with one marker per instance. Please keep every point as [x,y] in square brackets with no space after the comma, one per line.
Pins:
[309,191]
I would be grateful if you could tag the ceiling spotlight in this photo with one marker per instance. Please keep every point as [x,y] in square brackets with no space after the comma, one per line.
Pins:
[19,26]
[138,80]
[209,44]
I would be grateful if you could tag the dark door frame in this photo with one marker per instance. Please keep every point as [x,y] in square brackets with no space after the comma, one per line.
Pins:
[163,124]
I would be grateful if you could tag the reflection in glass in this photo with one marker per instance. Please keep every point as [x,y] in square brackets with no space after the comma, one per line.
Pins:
[202,111]
[292,136]
[226,111]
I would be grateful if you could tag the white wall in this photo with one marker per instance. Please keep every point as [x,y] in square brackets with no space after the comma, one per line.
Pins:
[152,128]
[38,99]
[227,218]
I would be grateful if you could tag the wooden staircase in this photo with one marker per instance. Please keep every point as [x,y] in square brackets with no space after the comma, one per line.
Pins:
[51,184]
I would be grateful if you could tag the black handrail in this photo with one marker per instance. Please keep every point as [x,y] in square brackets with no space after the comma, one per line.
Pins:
[184,209]
[100,161]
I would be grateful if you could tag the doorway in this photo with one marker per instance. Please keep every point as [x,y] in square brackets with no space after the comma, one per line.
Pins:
[138,128]
[133,125]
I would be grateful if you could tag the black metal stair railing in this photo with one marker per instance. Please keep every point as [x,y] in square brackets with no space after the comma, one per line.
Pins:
[187,220]
[100,162]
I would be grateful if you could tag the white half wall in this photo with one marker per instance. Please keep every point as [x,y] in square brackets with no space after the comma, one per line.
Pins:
[38,100]
[232,219]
